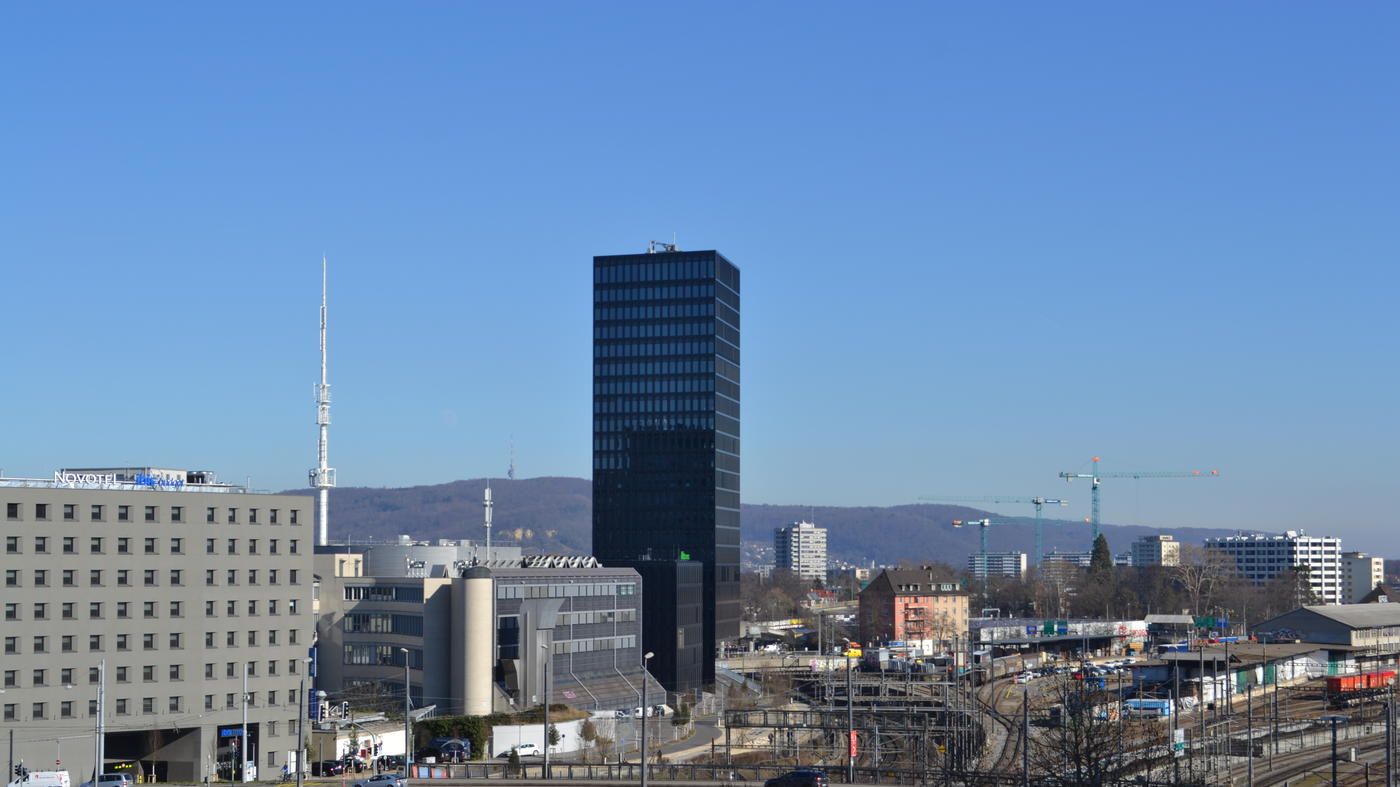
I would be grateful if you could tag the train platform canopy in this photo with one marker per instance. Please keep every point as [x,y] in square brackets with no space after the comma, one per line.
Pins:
[1375,626]
[1238,653]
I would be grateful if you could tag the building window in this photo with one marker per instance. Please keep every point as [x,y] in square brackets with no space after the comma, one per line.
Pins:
[272,636]
[209,577]
[175,609]
[70,578]
[176,577]
[291,606]
[123,546]
[121,707]
[70,512]
[175,640]
[10,714]
[252,516]
[148,705]
[123,577]
[92,709]
[41,510]
[209,609]
[148,609]
[65,676]
[95,545]
[294,516]
[209,639]
[11,646]
[209,515]
[272,516]
[150,546]
[40,678]
[208,701]
[252,576]
[96,513]
[231,608]
[150,577]
[292,575]
[41,545]
[95,577]
[293,544]
[94,642]
[121,675]
[150,513]
[272,606]
[123,642]
[148,642]
[67,610]
[232,577]
[41,611]
[175,672]
[233,516]
[272,576]
[12,545]
[231,669]
[208,546]
[65,643]
[177,546]
[11,512]
[252,546]
[11,611]
[231,639]
[233,546]
[148,673]
[123,513]
[177,514]
[123,609]
[228,700]
[65,709]
[70,545]
[95,609]
[292,636]
[11,678]
[272,670]
[174,705]
[38,711]
[41,644]
[252,640]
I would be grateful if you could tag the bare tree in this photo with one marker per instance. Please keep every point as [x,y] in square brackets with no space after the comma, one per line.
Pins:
[1085,742]
[1201,572]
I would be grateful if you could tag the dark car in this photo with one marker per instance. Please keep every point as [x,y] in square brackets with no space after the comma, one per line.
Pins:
[391,762]
[327,768]
[799,778]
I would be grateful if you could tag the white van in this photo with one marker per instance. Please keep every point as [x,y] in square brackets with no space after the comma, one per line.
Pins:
[44,779]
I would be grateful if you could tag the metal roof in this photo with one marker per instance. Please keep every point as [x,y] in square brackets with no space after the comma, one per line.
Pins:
[1356,616]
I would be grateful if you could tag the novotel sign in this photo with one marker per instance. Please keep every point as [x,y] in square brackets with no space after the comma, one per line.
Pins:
[84,479]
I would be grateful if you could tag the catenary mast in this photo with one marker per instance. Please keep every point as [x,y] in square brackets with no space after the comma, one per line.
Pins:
[323,475]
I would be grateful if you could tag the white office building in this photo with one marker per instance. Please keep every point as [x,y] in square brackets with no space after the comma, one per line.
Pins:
[996,564]
[1360,575]
[1260,558]
[1156,551]
[801,549]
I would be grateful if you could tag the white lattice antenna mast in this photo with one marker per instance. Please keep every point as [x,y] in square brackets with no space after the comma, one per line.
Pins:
[323,476]
[486,506]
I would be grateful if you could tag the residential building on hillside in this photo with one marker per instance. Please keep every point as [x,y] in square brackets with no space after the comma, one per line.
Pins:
[666,426]
[1160,550]
[915,607]
[996,564]
[1360,575]
[1260,558]
[166,588]
[801,549]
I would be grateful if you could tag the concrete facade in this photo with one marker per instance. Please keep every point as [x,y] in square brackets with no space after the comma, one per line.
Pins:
[173,587]
[801,549]
[1360,575]
[1156,551]
[1260,558]
[996,564]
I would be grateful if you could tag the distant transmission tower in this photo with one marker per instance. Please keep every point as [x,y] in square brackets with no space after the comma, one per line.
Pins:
[510,470]
[322,476]
[486,506]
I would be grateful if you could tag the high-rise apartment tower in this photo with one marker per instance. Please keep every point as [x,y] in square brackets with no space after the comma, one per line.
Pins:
[801,549]
[666,425]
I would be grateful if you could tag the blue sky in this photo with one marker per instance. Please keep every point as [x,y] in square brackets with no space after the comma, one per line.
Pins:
[980,243]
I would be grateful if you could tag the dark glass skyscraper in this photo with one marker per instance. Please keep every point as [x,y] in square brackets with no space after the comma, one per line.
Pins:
[666,424]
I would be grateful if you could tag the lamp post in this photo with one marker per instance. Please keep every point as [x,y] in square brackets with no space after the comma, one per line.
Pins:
[407,721]
[244,750]
[99,731]
[544,646]
[301,723]
[646,657]
[1334,718]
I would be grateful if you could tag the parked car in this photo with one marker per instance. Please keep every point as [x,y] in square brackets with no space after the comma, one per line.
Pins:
[110,780]
[803,777]
[327,768]
[383,780]
[391,762]
[524,750]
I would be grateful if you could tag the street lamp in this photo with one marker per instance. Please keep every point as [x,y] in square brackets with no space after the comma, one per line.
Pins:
[100,729]
[321,747]
[301,723]
[646,657]
[407,721]
[1334,718]
[544,646]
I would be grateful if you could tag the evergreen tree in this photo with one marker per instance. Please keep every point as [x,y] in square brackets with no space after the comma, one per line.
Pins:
[1100,560]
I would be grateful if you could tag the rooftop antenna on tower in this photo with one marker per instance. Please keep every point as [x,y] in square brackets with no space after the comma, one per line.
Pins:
[486,506]
[322,476]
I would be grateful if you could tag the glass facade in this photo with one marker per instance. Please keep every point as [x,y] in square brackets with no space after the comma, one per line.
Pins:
[666,421]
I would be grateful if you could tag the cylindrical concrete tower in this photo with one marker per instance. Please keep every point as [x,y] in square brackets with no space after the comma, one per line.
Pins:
[480,637]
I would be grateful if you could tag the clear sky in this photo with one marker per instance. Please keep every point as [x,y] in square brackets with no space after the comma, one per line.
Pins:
[980,243]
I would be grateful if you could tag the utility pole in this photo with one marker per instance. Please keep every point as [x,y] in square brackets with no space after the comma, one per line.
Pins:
[1249,755]
[407,720]
[1026,736]
[301,723]
[850,721]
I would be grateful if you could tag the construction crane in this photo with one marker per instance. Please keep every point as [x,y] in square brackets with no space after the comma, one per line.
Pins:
[1096,477]
[1038,502]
